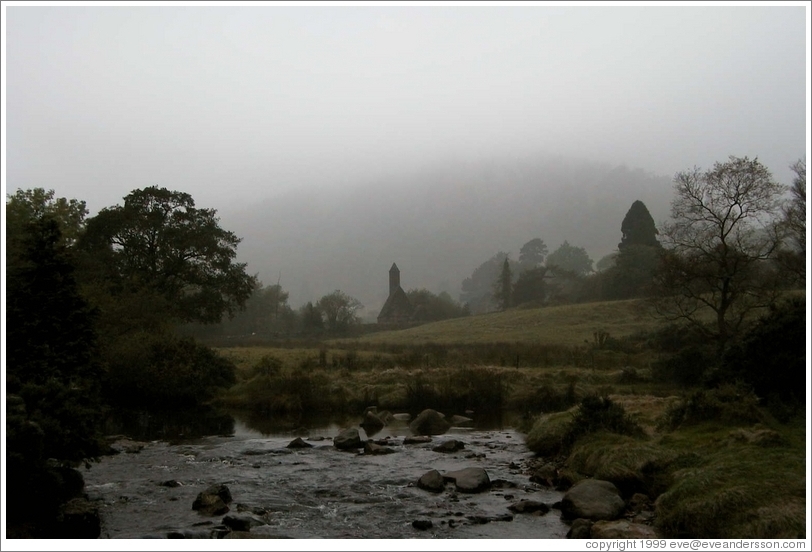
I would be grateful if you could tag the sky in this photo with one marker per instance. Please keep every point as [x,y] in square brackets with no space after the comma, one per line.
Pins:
[238,105]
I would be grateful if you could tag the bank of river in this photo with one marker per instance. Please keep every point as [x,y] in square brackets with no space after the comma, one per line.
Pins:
[320,492]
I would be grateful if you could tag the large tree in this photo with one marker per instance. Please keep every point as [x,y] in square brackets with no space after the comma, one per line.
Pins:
[477,289]
[532,253]
[27,206]
[160,245]
[570,258]
[531,287]
[637,257]
[723,231]
[339,310]
[638,227]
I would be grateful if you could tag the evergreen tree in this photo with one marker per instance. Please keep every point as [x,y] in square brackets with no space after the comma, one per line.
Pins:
[503,289]
[638,227]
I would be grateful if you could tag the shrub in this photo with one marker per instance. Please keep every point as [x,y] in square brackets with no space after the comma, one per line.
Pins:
[267,366]
[731,403]
[160,368]
[771,357]
[687,367]
[602,414]
[557,433]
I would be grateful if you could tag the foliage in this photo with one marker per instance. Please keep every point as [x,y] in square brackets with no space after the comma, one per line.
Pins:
[51,340]
[339,310]
[531,287]
[161,242]
[597,413]
[771,356]
[430,307]
[570,258]
[503,287]
[729,403]
[477,289]
[27,206]
[719,240]
[532,254]
[687,367]
[638,228]
[156,369]
[792,255]
[310,318]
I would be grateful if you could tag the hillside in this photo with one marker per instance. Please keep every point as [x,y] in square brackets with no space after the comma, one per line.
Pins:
[559,325]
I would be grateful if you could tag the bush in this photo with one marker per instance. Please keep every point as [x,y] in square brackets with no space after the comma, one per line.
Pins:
[731,403]
[159,369]
[687,367]
[602,414]
[557,433]
[771,357]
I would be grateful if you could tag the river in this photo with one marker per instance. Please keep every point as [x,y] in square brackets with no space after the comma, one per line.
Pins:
[318,492]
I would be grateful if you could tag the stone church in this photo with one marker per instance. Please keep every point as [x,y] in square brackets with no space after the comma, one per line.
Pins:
[397,309]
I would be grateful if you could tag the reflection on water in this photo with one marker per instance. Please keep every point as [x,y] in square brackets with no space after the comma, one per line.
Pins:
[176,426]
[168,425]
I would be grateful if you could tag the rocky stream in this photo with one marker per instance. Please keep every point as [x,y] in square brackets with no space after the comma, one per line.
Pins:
[299,484]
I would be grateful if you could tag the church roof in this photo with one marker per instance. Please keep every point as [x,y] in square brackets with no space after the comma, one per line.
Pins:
[397,308]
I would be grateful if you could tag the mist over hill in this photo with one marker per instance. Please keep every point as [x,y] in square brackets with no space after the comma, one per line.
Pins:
[438,223]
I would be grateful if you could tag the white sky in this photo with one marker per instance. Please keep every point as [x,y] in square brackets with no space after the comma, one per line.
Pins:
[234,104]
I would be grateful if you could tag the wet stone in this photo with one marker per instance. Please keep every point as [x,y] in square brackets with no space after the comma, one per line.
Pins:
[422,524]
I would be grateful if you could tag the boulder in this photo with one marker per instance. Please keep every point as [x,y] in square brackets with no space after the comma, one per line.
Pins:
[373,449]
[449,446]
[431,481]
[417,440]
[481,520]
[348,439]
[592,499]
[622,529]
[461,420]
[580,529]
[470,480]
[213,501]
[372,423]
[528,507]
[429,422]
[298,442]
[422,524]
[243,522]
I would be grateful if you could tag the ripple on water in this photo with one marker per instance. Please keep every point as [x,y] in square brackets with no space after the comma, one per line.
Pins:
[320,491]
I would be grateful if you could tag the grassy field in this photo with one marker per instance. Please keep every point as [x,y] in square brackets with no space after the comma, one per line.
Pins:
[560,325]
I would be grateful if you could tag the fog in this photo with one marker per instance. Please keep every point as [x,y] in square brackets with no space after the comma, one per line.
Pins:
[336,140]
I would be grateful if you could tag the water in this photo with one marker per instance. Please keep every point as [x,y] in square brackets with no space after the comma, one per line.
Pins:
[319,492]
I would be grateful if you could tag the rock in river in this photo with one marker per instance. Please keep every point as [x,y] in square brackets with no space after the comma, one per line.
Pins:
[470,480]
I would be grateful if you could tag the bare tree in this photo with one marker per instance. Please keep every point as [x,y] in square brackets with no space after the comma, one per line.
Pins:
[716,270]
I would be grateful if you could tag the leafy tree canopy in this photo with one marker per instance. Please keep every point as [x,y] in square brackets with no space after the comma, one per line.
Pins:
[339,310]
[532,253]
[429,307]
[159,241]
[570,258]
[27,206]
